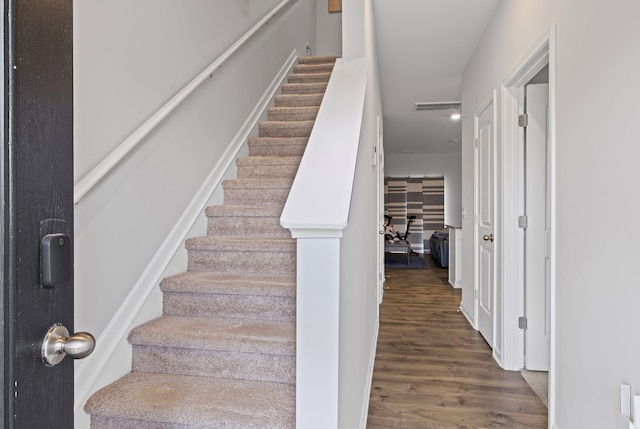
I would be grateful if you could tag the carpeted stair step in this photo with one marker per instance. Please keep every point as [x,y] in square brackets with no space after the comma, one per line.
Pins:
[268,167]
[165,401]
[256,297]
[318,59]
[298,100]
[273,146]
[285,128]
[313,68]
[304,88]
[237,254]
[309,77]
[245,220]
[214,347]
[217,296]
[243,192]
[292,113]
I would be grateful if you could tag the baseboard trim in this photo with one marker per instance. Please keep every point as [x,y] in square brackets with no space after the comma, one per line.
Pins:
[118,327]
[467,315]
[365,405]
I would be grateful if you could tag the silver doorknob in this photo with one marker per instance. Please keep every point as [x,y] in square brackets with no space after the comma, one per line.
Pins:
[58,343]
[488,237]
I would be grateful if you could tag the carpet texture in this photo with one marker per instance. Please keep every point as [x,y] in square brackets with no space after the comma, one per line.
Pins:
[539,383]
[222,355]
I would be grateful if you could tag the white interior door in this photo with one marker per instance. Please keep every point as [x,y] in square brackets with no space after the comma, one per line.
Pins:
[537,233]
[378,162]
[485,212]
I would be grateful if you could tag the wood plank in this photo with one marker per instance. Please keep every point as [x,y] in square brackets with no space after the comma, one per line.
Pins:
[433,370]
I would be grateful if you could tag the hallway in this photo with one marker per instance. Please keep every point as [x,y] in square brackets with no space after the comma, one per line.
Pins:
[433,370]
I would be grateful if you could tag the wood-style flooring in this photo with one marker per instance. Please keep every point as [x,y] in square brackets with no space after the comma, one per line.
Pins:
[432,370]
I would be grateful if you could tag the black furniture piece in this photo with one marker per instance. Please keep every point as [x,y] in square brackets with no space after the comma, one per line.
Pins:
[439,245]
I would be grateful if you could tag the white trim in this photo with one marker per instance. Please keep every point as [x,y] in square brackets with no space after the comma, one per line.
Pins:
[367,391]
[541,53]
[316,232]
[512,260]
[466,314]
[118,327]
[119,153]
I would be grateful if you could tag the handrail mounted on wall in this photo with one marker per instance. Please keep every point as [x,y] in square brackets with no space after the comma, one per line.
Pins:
[103,168]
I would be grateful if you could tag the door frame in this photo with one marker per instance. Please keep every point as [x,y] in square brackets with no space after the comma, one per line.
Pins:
[491,100]
[543,52]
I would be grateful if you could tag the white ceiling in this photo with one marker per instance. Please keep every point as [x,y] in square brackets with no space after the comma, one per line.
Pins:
[423,49]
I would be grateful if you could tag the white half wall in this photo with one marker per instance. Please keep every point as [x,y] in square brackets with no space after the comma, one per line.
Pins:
[447,165]
[359,245]
[597,184]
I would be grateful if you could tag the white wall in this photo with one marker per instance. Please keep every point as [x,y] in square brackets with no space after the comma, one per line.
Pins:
[447,165]
[130,58]
[359,269]
[597,184]
[328,30]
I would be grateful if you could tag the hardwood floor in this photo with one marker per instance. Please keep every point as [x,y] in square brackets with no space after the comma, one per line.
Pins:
[433,370]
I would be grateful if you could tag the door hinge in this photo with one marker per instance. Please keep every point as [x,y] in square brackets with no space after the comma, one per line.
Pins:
[523,120]
[522,323]
[523,222]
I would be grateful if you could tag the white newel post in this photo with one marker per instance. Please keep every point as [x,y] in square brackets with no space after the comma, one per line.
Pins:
[318,315]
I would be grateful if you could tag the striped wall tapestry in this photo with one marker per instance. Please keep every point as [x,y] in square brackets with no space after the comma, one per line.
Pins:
[419,197]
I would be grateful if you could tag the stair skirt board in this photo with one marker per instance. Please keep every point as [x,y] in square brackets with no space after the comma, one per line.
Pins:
[223,352]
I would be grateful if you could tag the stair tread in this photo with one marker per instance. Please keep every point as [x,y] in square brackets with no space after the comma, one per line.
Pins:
[278,140]
[309,77]
[268,160]
[208,333]
[287,124]
[317,59]
[230,243]
[231,284]
[257,183]
[195,401]
[298,109]
[243,211]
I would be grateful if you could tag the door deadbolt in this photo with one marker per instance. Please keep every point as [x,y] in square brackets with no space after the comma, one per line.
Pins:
[58,343]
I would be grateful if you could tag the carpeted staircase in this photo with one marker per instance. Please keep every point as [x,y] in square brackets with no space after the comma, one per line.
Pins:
[222,355]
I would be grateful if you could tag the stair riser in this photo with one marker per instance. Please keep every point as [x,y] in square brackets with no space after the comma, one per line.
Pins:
[267,171]
[278,308]
[302,115]
[309,78]
[294,149]
[323,59]
[312,88]
[220,364]
[256,197]
[298,101]
[242,261]
[270,130]
[313,68]
[247,226]
[100,422]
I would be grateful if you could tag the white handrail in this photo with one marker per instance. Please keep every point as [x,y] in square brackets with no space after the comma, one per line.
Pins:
[315,207]
[87,183]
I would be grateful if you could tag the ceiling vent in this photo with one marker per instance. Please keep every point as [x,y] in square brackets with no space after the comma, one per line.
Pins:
[438,105]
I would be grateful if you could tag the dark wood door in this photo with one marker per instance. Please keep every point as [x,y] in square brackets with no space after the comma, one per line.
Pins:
[37,200]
